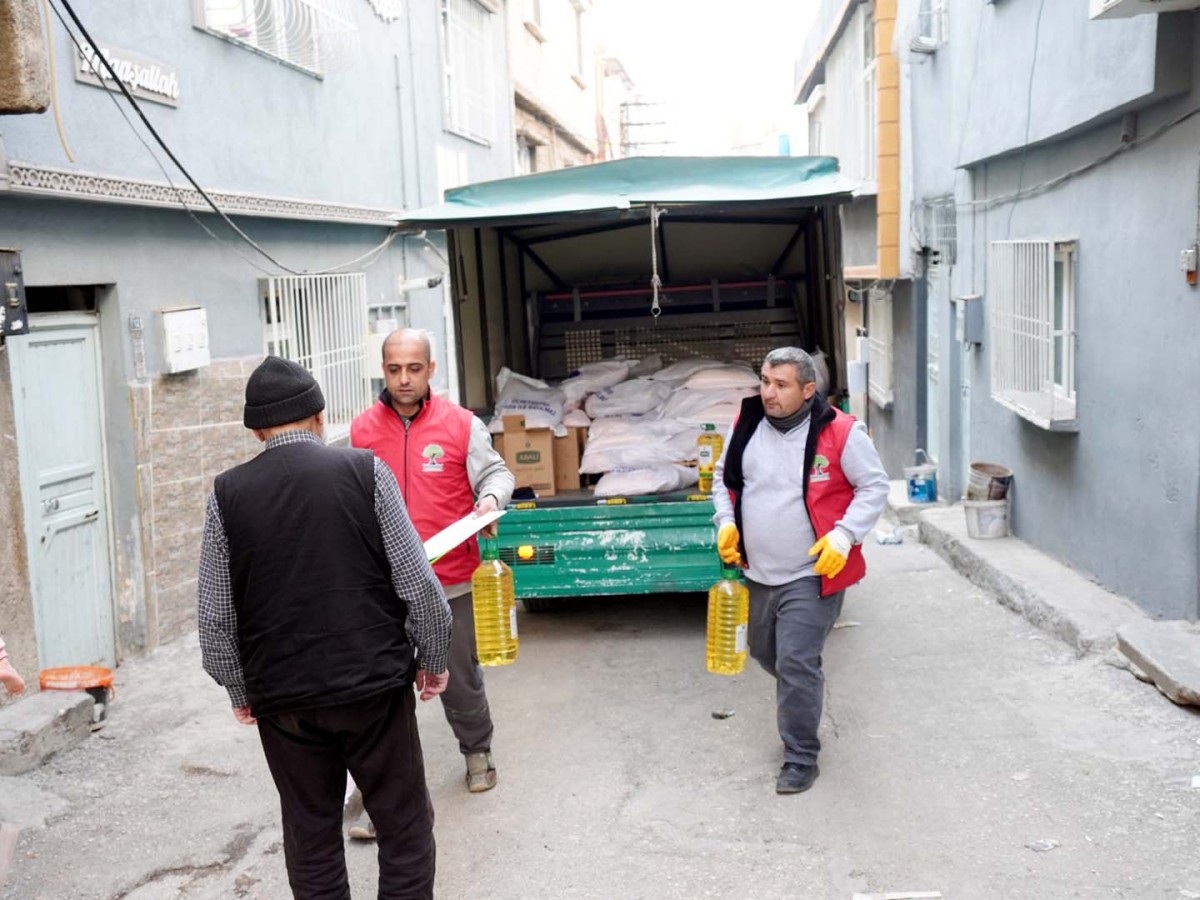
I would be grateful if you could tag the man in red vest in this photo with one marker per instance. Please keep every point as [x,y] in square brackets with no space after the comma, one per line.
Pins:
[804,487]
[444,462]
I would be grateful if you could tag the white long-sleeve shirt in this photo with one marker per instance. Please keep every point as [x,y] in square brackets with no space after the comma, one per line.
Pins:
[776,530]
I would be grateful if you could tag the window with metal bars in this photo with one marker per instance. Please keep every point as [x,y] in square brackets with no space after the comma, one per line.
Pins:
[289,30]
[1031,291]
[880,386]
[320,322]
[467,28]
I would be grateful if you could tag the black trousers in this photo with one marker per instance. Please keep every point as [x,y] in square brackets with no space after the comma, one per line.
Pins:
[376,739]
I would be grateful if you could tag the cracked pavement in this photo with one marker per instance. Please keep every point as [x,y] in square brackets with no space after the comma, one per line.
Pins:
[963,735]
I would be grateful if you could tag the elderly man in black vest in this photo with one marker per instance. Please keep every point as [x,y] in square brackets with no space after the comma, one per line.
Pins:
[314,589]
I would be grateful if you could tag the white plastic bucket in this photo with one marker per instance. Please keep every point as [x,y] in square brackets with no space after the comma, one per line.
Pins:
[986,518]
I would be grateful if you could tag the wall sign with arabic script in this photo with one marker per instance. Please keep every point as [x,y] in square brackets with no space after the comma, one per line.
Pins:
[145,78]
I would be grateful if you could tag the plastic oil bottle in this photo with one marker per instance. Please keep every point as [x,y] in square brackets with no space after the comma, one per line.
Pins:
[711,443]
[495,606]
[728,620]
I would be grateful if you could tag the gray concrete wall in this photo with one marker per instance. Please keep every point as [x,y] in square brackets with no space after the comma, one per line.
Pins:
[1118,501]
[371,133]
[364,133]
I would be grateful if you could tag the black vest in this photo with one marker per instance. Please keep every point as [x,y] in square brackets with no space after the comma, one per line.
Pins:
[318,620]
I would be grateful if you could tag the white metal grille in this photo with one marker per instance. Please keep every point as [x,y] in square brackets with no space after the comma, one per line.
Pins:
[318,35]
[938,218]
[879,336]
[467,59]
[1032,330]
[320,322]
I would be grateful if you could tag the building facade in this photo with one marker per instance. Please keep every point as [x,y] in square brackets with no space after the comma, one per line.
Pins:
[556,82]
[1054,188]
[847,80]
[310,124]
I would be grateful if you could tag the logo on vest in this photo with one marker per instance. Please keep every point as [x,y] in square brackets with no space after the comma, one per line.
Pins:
[433,454]
[819,471]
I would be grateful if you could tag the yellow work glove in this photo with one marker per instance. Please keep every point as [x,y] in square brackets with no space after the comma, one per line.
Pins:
[727,544]
[834,549]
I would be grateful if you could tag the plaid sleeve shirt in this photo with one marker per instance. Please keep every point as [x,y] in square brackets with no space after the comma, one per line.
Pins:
[411,575]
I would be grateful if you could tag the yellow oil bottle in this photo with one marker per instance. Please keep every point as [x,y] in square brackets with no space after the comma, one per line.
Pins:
[728,620]
[711,444]
[495,606]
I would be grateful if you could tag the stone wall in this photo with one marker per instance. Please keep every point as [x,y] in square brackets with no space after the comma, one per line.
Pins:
[16,600]
[189,430]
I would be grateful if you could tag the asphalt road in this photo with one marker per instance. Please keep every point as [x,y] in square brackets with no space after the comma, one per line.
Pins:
[956,737]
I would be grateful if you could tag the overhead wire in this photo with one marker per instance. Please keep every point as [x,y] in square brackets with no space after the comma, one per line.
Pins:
[1037,33]
[373,253]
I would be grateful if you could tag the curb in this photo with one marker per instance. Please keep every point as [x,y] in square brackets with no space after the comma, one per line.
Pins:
[1050,595]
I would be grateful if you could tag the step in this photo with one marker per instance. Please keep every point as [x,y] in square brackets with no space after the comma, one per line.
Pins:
[34,729]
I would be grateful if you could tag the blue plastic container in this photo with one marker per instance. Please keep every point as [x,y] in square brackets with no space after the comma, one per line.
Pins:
[922,480]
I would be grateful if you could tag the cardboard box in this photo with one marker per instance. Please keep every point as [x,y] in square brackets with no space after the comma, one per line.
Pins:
[568,451]
[529,455]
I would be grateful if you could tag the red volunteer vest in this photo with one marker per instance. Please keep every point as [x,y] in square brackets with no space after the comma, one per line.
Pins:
[829,496]
[429,460]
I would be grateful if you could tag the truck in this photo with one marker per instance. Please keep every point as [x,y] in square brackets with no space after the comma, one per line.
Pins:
[719,257]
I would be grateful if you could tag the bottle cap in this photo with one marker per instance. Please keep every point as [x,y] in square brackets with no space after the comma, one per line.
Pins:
[709,426]
[730,573]
[488,547]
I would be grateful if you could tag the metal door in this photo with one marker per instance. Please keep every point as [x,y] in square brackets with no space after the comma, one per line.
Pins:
[56,394]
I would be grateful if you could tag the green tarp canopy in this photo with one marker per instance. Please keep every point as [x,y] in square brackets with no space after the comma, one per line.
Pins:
[611,189]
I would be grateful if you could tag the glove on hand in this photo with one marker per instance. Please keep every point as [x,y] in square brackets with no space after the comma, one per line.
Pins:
[727,544]
[834,549]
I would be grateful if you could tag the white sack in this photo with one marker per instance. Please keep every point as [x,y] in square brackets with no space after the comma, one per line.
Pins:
[722,377]
[819,363]
[694,407]
[640,368]
[635,397]
[685,368]
[542,407]
[577,418]
[592,377]
[628,482]
[655,444]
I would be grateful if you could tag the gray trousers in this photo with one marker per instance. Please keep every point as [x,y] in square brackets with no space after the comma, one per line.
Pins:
[464,700]
[788,627]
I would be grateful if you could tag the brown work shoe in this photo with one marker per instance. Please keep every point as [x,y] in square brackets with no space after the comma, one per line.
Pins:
[481,772]
[363,828]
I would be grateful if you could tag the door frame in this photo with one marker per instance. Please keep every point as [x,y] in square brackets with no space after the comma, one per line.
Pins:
[40,323]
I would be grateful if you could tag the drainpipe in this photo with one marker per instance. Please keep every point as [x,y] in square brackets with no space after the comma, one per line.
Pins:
[887,208]
[921,353]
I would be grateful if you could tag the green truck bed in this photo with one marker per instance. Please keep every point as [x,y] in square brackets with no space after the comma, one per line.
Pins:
[573,545]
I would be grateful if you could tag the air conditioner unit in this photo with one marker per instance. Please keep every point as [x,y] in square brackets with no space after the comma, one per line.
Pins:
[1120,9]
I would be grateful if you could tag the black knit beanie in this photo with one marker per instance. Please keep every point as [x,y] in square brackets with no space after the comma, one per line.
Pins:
[280,392]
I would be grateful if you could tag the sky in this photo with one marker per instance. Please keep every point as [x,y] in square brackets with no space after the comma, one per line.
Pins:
[725,70]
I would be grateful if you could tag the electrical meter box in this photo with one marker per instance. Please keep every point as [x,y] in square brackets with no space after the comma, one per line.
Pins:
[968,319]
[185,339]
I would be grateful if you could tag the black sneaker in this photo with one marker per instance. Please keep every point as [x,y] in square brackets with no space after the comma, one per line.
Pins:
[795,778]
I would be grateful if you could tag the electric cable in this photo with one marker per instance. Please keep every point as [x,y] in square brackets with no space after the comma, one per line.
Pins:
[1037,33]
[159,140]
[58,123]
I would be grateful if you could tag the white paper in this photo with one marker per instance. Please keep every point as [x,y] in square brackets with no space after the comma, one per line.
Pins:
[453,535]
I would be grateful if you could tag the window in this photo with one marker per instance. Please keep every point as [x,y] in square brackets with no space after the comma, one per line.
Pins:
[1031,285]
[320,322]
[467,61]
[289,30]
[931,26]
[870,88]
[939,232]
[879,337]
[526,156]
[533,19]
